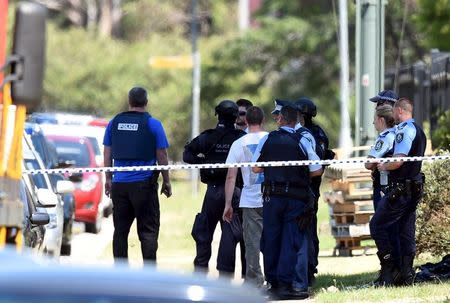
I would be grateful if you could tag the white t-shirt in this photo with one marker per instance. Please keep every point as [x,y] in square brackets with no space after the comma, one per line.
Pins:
[241,151]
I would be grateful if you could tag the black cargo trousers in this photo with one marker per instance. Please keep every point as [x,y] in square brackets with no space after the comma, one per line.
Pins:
[136,200]
[205,225]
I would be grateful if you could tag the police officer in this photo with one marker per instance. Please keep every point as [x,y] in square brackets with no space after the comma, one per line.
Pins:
[384,123]
[400,203]
[212,146]
[306,111]
[288,196]
[135,138]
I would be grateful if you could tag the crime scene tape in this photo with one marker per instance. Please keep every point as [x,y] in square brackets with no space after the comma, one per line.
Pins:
[236,165]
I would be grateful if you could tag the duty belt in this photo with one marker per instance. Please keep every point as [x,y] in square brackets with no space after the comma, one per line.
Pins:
[288,189]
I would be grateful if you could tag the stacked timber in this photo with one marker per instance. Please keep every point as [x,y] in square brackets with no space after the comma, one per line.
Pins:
[350,204]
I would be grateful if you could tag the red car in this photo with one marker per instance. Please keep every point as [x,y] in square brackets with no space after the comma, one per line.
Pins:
[79,152]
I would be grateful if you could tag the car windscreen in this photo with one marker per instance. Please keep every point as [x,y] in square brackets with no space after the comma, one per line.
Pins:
[72,151]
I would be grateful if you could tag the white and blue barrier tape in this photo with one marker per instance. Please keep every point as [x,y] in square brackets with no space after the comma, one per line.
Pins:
[236,165]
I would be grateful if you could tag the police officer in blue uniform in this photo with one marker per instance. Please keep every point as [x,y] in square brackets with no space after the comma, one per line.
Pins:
[306,111]
[213,146]
[400,203]
[384,123]
[135,138]
[279,103]
[288,201]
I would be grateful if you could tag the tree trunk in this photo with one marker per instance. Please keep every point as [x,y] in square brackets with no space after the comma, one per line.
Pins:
[106,18]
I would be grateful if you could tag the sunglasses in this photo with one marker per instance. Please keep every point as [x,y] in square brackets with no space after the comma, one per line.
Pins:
[242,113]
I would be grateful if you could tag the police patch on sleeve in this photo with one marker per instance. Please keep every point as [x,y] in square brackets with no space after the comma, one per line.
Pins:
[378,145]
[399,137]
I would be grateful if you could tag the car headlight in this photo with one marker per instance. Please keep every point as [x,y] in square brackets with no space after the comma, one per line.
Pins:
[90,183]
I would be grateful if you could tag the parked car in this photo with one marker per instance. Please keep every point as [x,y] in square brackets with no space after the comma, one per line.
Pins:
[49,156]
[50,200]
[33,224]
[24,280]
[95,136]
[89,188]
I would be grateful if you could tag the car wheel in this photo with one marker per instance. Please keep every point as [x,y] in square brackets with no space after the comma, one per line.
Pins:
[66,249]
[96,226]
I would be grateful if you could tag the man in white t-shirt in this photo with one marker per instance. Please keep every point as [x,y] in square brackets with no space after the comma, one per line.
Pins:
[251,203]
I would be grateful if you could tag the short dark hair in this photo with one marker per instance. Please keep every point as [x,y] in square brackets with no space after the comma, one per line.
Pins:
[255,115]
[289,113]
[405,104]
[245,103]
[137,97]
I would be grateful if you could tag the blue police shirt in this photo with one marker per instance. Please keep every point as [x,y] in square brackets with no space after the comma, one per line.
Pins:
[383,144]
[405,134]
[307,144]
[157,130]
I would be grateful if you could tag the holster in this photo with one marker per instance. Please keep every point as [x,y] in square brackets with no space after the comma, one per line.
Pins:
[285,190]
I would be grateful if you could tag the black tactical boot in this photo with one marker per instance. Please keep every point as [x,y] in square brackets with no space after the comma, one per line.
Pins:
[407,273]
[388,272]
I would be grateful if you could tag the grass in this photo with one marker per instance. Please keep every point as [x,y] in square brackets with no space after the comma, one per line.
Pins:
[339,280]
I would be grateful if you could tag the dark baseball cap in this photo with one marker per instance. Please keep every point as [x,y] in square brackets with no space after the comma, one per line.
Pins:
[279,105]
[385,96]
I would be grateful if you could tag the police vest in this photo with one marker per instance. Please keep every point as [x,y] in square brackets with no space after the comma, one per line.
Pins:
[321,138]
[284,146]
[131,138]
[218,144]
[410,170]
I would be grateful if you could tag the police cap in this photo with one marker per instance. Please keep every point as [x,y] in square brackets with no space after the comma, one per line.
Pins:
[306,106]
[227,108]
[385,96]
[279,105]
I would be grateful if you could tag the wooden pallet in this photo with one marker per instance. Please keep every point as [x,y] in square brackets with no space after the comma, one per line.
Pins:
[335,197]
[352,218]
[360,187]
[347,171]
[349,230]
[345,246]
[352,207]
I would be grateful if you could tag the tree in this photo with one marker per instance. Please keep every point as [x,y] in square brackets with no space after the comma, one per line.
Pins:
[432,18]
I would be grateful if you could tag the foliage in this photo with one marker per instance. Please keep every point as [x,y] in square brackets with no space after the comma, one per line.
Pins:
[433,20]
[433,221]
[441,136]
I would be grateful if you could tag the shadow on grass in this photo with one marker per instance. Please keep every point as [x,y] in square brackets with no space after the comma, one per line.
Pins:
[344,282]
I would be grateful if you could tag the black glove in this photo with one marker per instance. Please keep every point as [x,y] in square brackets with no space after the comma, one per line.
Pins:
[329,154]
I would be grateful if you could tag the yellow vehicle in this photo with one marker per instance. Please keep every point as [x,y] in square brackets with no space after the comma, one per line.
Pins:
[21,75]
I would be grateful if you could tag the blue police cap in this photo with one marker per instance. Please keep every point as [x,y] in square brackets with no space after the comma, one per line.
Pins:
[279,105]
[386,96]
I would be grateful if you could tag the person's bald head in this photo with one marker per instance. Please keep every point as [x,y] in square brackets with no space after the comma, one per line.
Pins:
[403,110]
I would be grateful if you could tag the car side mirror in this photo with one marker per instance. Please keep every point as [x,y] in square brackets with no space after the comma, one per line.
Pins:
[39,218]
[64,187]
[76,177]
[46,197]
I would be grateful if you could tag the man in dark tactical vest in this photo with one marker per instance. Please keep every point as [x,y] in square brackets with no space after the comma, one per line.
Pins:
[135,138]
[287,201]
[213,146]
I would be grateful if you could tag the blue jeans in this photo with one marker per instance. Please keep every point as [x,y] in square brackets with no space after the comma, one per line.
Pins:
[284,246]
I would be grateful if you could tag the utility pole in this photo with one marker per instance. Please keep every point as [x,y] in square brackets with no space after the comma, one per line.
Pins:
[195,89]
[369,65]
[345,140]
[244,15]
